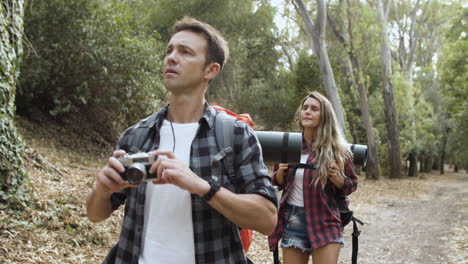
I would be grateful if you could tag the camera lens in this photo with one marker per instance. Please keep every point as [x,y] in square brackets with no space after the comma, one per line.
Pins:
[136,173]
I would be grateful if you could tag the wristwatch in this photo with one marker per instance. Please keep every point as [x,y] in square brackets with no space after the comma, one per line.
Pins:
[214,188]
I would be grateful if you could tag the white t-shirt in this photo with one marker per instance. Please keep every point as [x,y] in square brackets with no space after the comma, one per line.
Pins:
[168,229]
[296,194]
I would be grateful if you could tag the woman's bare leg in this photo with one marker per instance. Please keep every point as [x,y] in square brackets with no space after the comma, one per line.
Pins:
[327,254]
[292,255]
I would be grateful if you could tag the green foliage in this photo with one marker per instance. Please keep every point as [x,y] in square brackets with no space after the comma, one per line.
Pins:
[105,57]
[453,66]
[275,102]
[307,75]
[85,57]
[11,146]
[416,118]
[248,27]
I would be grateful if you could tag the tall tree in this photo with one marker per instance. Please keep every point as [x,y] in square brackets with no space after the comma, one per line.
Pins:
[409,34]
[346,36]
[387,91]
[317,32]
[11,51]
[453,67]
[418,29]
[249,29]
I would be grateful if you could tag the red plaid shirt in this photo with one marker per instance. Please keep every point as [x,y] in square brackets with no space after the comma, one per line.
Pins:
[321,209]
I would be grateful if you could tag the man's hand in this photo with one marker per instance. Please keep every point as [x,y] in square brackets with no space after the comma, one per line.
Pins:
[171,170]
[108,181]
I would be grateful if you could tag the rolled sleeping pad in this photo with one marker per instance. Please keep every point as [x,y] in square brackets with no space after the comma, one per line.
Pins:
[285,147]
[280,147]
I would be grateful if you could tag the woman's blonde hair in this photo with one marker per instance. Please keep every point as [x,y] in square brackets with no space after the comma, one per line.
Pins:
[328,143]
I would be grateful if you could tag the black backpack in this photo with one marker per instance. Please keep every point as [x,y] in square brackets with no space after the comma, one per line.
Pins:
[347,216]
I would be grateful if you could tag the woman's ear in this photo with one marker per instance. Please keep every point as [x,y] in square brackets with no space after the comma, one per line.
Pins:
[212,70]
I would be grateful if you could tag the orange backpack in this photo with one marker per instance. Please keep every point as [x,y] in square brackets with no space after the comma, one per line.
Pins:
[246,235]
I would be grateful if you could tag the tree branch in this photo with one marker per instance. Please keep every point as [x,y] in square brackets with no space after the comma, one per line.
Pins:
[387,8]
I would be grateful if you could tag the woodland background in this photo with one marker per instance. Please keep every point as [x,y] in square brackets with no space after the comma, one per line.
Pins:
[395,71]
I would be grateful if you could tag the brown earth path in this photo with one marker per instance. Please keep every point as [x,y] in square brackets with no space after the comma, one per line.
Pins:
[415,220]
[430,229]
[420,220]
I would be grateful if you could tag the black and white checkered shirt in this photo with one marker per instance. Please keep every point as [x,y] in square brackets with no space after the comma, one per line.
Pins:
[216,238]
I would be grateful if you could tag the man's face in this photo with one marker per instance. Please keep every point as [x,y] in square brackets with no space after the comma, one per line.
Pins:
[184,64]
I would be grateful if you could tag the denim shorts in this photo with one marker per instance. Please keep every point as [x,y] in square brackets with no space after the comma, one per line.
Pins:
[295,231]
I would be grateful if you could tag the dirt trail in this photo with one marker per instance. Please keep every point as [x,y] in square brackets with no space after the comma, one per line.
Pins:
[430,229]
[411,221]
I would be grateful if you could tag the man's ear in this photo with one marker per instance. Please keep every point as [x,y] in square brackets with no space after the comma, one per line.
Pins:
[212,70]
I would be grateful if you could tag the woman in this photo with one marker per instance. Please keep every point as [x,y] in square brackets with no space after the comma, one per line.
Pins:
[309,218]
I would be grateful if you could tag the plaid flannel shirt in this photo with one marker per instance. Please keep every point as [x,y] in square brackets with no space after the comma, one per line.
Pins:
[216,239]
[321,208]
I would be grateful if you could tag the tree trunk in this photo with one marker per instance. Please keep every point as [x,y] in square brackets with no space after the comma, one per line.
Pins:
[11,32]
[357,80]
[387,91]
[436,164]
[347,69]
[413,164]
[372,167]
[406,59]
[442,150]
[426,164]
[317,33]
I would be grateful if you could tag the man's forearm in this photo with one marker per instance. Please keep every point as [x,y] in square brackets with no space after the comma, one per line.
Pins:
[98,208]
[251,211]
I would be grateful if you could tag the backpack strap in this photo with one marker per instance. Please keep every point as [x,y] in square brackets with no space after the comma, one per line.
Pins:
[302,166]
[276,256]
[355,235]
[224,134]
[137,137]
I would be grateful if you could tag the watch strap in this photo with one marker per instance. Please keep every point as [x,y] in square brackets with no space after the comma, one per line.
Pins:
[214,187]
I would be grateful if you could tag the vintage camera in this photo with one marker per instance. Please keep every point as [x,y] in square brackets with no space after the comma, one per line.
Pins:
[137,167]
[285,147]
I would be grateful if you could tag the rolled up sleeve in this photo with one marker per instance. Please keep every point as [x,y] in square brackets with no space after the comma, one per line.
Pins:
[252,172]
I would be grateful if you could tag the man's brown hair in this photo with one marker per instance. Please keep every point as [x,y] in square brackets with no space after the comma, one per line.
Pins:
[217,49]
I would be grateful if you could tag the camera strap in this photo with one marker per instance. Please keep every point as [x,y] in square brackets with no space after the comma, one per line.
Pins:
[139,137]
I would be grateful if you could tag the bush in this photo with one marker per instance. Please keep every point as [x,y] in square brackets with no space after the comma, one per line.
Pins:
[85,57]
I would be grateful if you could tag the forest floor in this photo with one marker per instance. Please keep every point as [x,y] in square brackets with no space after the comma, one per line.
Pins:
[410,220]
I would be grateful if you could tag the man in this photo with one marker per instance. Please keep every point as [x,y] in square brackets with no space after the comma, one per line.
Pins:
[183,216]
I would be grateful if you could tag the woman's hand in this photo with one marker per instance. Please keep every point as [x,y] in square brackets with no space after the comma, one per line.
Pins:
[280,173]
[335,176]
